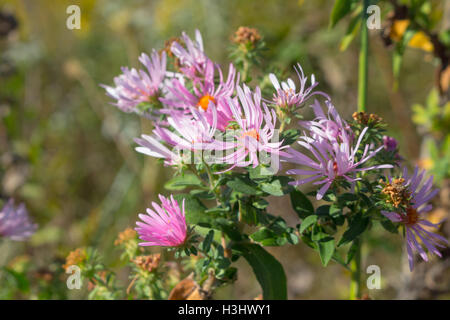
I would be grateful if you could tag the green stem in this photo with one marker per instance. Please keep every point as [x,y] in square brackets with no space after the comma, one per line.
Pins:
[363,60]
[355,267]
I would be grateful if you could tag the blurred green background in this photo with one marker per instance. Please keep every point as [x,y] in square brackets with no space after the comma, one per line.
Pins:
[68,154]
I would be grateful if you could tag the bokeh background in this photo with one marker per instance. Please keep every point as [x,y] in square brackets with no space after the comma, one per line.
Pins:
[68,154]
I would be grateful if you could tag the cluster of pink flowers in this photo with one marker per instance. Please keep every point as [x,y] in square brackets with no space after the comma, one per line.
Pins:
[200,110]
[333,151]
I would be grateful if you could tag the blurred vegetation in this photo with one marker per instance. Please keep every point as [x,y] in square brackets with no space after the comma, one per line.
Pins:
[67,153]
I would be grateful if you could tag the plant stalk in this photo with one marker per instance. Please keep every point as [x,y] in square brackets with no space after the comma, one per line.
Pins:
[355,267]
[363,60]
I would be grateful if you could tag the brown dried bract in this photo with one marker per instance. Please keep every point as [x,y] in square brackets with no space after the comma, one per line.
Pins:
[75,257]
[397,192]
[187,289]
[245,35]
[124,236]
[148,263]
[365,118]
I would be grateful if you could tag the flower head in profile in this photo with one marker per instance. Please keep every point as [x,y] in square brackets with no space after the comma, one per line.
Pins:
[191,55]
[410,196]
[287,96]
[328,126]
[134,87]
[331,160]
[164,226]
[254,130]
[15,223]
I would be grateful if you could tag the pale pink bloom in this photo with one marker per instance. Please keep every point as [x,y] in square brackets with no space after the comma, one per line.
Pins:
[330,160]
[329,126]
[287,96]
[191,56]
[15,222]
[163,226]
[412,217]
[137,86]
[254,131]
[187,133]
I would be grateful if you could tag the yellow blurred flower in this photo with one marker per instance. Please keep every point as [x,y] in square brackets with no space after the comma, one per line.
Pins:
[419,40]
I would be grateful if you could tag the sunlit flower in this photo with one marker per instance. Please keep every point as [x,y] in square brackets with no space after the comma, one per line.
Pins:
[205,93]
[164,226]
[331,160]
[134,87]
[15,223]
[187,134]
[255,128]
[287,96]
[411,216]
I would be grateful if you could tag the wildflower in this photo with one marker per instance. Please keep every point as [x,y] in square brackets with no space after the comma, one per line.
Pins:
[286,95]
[75,258]
[410,215]
[205,93]
[164,226]
[332,160]
[147,263]
[397,193]
[190,134]
[134,87]
[191,56]
[255,128]
[330,127]
[246,35]
[390,144]
[15,223]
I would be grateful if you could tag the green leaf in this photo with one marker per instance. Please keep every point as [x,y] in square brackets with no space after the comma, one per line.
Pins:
[357,226]
[307,222]
[301,204]
[290,136]
[242,185]
[278,186]
[206,245]
[340,9]
[194,209]
[389,226]
[269,272]
[326,250]
[352,30]
[181,182]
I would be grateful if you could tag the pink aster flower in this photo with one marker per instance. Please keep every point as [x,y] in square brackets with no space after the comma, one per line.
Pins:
[330,160]
[184,134]
[164,226]
[137,86]
[254,130]
[205,92]
[15,223]
[329,126]
[287,96]
[417,228]
[191,56]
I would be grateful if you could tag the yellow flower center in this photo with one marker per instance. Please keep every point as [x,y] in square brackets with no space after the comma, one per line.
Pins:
[205,100]
[251,133]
